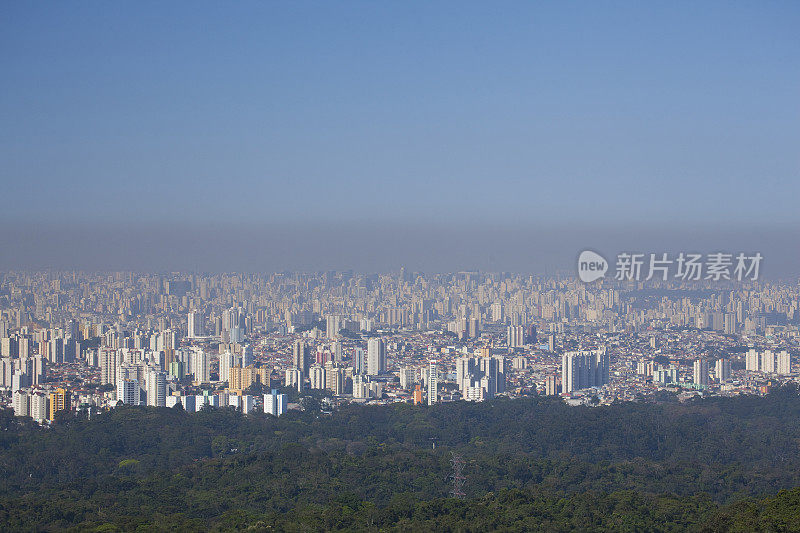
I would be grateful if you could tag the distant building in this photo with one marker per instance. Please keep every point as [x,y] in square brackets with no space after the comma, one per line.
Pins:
[584,369]
[376,356]
[201,366]
[129,391]
[408,375]
[59,401]
[551,385]
[784,366]
[665,376]
[195,327]
[700,373]
[275,403]
[433,383]
[294,378]
[722,369]
[317,377]
[156,387]
[300,357]
[515,336]
[418,395]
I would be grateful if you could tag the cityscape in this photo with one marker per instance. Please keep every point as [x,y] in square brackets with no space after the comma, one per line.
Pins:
[74,341]
[390,267]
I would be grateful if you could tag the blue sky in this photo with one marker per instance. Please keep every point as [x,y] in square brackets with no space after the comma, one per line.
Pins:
[511,113]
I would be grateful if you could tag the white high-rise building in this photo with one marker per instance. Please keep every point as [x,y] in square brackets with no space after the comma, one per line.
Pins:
[21,402]
[333,324]
[768,362]
[39,404]
[784,363]
[584,369]
[722,369]
[294,378]
[408,376]
[226,361]
[376,356]
[300,357]
[248,404]
[516,336]
[433,383]
[201,366]
[195,326]
[700,372]
[6,371]
[274,403]
[752,361]
[334,378]
[108,366]
[317,377]
[156,388]
[465,368]
[359,363]
[129,391]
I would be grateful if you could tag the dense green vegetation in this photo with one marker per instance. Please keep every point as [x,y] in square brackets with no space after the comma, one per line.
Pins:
[531,464]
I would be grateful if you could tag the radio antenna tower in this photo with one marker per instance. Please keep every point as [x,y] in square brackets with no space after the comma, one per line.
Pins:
[457,476]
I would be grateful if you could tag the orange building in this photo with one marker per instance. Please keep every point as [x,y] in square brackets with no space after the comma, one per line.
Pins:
[59,401]
[417,395]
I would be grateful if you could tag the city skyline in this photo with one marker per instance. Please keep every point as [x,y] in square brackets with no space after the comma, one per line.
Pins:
[400,266]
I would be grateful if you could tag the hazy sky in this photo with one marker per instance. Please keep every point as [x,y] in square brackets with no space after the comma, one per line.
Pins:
[281,120]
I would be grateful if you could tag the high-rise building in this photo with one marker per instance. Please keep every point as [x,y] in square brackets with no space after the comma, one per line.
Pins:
[465,370]
[433,383]
[6,371]
[665,376]
[418,395]
[59,401]
[530,334]
[768,361]
[177,369]
[195,325]
[275,403]
[752,361]
[294,378]
[317,376]
[226,361]
[201,366]
[300,357]
[722,369]
[376,356]
[333,324]
[129,391]
[584,369]
[156,388]
[21,403]
[334,378]
[516,336]
[359,362]
[408,376]
[39,404]
[487,372]
[784,363]
[473,328]
[700,373]
[730,324]
[9,347]
[108,366]
[551,385]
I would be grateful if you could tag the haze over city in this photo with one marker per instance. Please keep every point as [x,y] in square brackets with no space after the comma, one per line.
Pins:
[400,266]
[440,136]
